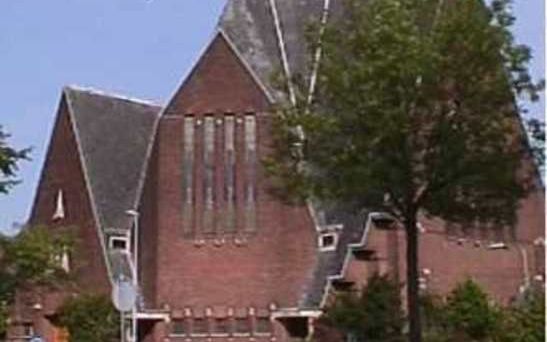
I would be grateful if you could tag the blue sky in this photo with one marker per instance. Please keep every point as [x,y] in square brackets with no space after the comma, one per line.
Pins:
[139,48]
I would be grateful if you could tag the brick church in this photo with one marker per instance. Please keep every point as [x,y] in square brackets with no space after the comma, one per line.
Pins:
[219,258]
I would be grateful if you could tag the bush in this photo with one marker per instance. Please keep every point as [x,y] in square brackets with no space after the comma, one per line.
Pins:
[469,314]
[526,321]
[374,314]
[90,318]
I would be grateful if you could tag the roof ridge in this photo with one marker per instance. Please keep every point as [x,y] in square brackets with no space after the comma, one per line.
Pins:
[113,95]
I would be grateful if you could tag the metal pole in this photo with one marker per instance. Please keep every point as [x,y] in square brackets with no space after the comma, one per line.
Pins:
[122,327]
[135,253]
[136,270]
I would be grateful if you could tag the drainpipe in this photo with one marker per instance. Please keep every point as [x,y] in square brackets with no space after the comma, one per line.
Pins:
[525,268]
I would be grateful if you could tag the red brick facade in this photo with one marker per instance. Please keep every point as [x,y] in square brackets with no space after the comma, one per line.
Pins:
[63,171]
[201,281]
[225,273]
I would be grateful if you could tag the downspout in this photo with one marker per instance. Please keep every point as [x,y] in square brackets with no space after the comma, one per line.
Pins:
[525,267]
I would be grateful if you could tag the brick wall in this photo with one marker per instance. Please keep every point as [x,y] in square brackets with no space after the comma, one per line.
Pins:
[229,271]
[63,171]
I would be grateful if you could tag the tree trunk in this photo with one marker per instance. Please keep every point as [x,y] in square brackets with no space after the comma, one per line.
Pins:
[413,305]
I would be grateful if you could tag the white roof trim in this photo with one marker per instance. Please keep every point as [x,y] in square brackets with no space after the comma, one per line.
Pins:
[318,52]
[94,91]
[87,183]
[281,43]
[351,248]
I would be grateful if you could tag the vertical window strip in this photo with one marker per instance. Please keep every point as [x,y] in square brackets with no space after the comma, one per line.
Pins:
[188,175]
[250,168]
[229,174]
[208,159]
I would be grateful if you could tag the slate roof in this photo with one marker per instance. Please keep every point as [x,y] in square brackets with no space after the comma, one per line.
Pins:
[251,27]
[330,265]
[114,134]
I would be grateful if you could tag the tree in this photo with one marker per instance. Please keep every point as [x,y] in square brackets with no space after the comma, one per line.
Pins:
[373,315]
[31,258]
[413,114]
[470,316]
[536,134]
[526,321]
[9,158]
[90,318]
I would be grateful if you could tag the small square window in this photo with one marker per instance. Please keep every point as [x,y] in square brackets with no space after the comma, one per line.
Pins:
[200,326]
[119,243]
[179,327]
[242,325]
[327,241]
[263,325]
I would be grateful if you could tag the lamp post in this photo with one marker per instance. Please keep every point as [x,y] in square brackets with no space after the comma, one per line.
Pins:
[135,253]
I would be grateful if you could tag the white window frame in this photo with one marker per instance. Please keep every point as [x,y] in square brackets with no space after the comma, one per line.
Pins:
[330,247]
[115,238]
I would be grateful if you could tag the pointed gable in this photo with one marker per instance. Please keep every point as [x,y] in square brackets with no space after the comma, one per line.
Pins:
[114,134]
[63,199]
[221,81]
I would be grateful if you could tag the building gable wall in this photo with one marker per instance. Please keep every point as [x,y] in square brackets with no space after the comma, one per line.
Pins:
[262,269]
[63,171]
[219,81]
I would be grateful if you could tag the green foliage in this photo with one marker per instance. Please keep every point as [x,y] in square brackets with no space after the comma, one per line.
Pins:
[31,258]
[414,112]
[9,157]
[4,315]
[524,322]
[469,313]
[375,314]
[434,318]
[536,134]
[90,318]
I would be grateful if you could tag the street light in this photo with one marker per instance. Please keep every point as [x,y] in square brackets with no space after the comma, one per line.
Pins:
[135,215]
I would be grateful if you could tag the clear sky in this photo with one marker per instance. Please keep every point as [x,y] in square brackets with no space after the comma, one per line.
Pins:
[139,48]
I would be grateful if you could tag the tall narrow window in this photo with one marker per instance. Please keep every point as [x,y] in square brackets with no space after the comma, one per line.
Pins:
[208,159]
[263,325]
[59,206]
[229,174]
[200,326]
[188,175]
[179,327]
[250,171]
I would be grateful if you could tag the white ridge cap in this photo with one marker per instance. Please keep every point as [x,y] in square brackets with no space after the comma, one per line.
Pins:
[100,92]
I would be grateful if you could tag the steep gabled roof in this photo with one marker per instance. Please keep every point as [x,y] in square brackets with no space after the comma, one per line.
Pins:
[270,35]
[113,134]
